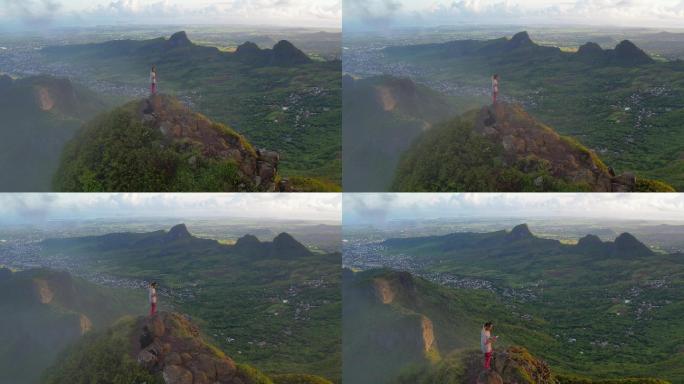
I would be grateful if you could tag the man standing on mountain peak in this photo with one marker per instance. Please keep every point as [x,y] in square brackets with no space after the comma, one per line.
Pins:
[495,88]
[486,340]
[153,80]
[152,294]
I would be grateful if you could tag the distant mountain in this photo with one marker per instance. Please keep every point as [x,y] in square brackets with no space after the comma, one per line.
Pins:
[283,53]
[44,311]
[625,53]
[39,115]
[178,238]
[521,242]
[502,148]
[521,47]
[166,348]
[157,144]
[381,117]
[179,47]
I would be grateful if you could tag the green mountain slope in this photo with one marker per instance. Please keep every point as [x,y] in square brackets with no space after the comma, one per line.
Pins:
[503,148]
[167,348]
[618,102]
[275,305]
[278,98]
[381,118]
[598,309]
[44,311]
[39,115]
[157,144]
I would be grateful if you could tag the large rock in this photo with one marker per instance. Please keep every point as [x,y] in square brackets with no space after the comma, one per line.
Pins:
[195,132]
[525,140]
[172,345]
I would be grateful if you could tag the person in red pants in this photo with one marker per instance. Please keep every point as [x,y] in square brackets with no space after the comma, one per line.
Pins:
[486,341]
[495,88]
[153,80]
[152,293]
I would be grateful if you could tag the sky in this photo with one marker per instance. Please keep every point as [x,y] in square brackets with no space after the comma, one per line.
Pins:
[380,14]
[31,14]
[37,207]
[376,209]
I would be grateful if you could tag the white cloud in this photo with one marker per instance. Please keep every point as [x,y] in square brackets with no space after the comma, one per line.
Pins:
[31,207]
[655,13]
[376,208]
[292,13]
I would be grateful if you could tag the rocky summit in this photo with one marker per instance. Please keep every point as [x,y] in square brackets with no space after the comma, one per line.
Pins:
[515,365]
[183,126]
[168,343]
[524,138]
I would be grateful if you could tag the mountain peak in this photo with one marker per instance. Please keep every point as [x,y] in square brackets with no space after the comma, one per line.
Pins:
[521,39]
[247,240]
[590,48]
[589,240]
[521,231]
[285,53]
[178,232]
[628,53]
[286,245]
[627,244]
[247,47]
[521,136]
[179,39]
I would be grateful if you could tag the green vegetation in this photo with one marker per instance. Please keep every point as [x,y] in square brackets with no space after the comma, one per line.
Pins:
[103,358]
[117,152]
[628,111]
[452,157]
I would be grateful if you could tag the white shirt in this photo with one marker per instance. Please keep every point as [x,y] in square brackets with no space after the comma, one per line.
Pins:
[153,77]
[485,345]
[152,295]
[495,85]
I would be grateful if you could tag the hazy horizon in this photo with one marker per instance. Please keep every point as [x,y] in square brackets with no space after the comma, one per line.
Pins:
[385,14]
[34,15]
[41,207]
[381,208]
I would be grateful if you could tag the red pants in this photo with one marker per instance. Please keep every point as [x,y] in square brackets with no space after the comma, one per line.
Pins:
[153,88]
[488,360]
[494,96]
[153,309]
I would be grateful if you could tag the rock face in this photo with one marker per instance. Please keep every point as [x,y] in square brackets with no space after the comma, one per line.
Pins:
[516,366]
[525,139]
[172,345]
[196,132]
